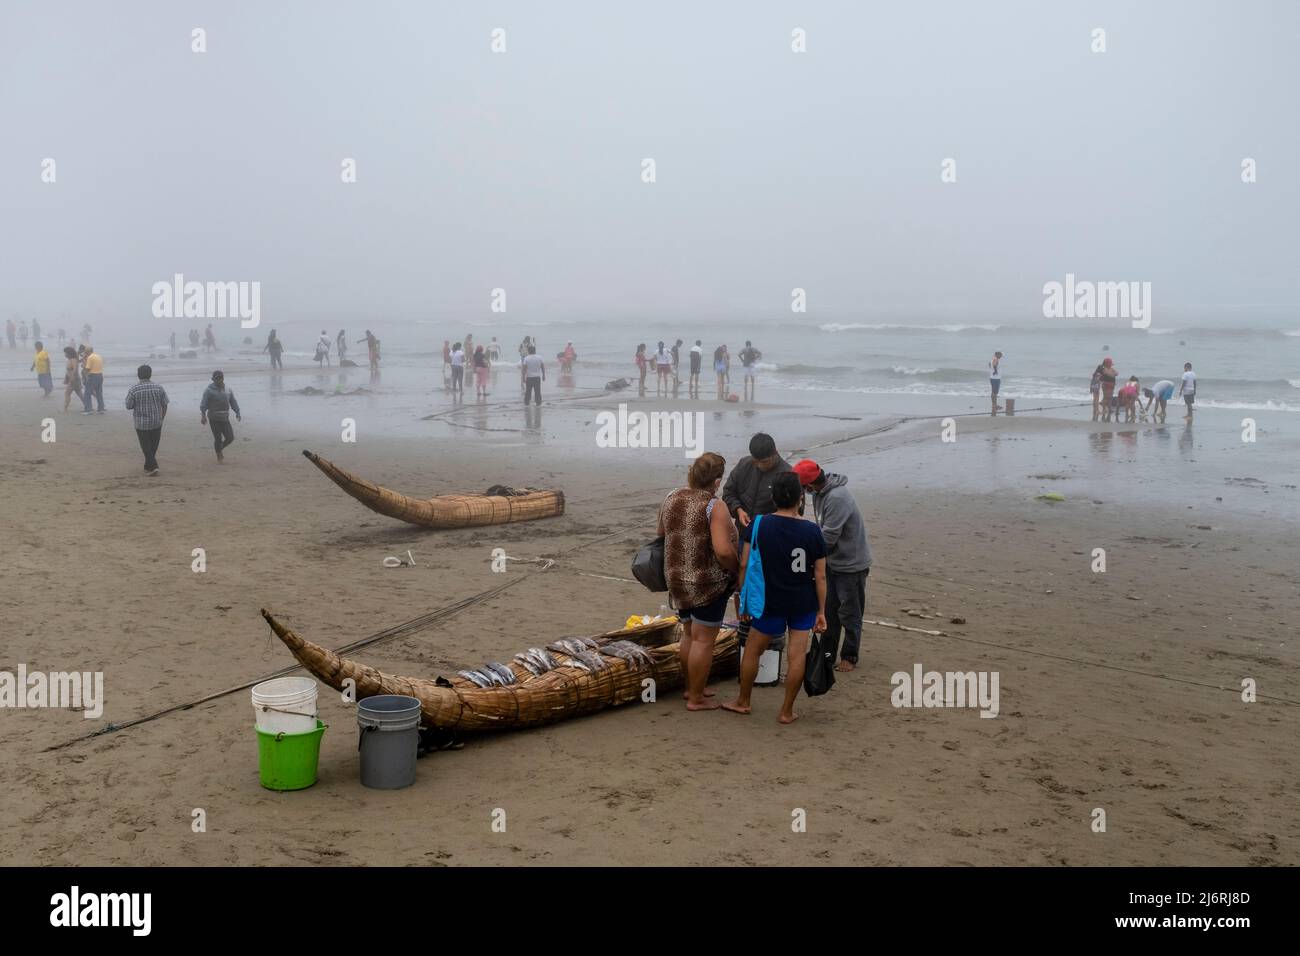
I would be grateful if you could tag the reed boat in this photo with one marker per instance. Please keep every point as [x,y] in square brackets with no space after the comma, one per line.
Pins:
[445,511]
[460,705]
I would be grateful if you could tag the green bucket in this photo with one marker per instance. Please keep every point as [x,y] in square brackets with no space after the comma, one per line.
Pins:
[288,761]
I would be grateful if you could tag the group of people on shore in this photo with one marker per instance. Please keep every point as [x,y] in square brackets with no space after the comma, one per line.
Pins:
[1113,401]
[667,364]
[485,358]
[83,375]
[1126,400]
[17,332]
[339,344]
[788,575]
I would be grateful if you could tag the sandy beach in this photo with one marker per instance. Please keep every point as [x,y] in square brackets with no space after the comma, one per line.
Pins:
[1119,690]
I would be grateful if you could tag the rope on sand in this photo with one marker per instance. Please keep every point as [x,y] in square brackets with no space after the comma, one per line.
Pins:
[413,626]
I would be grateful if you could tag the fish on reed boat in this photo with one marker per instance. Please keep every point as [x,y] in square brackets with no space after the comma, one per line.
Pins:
[499,505]
[569,688]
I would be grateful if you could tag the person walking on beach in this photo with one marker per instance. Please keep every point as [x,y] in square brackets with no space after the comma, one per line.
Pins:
[697,353]
[214,411]
[494,350]
[700,566]
[92,380]
[36,330]
[341,343]
[209,339]
[71,376]
[457,369]
[276,348]
[1188,389]
[482,367]
[664,368]
[1094,387]
[22,333]
[1109,375]
[568,357]
[322,349]
[641,363]
[677,357]
[11,331]
[848,559]
[170,342]
[41,366]
[148,404]
[720,369]
[749,357]
[995,379]
[534,372]
[792,558]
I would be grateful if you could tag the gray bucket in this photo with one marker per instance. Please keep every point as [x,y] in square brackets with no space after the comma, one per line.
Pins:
[389,737]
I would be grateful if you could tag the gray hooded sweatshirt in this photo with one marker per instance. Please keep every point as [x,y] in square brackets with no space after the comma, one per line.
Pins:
[837,514]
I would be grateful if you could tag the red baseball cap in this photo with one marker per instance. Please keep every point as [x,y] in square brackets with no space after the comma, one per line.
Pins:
[808,471]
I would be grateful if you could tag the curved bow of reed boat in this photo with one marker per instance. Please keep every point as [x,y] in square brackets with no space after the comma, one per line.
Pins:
[443,511]
[567,691]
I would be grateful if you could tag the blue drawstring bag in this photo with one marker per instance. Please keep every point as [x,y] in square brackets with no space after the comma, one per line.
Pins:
[754,593]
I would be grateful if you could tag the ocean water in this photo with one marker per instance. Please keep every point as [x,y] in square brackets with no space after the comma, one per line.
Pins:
[1246,368]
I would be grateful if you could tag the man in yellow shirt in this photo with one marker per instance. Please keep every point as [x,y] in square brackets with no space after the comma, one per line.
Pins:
[42,368]
[93,383]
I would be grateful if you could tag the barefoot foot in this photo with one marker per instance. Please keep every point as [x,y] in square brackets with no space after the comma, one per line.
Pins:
[845,666]
[789,718]
[735,707]
[703,704]
[708,692]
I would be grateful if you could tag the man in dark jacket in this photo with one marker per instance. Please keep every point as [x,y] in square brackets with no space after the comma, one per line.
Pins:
[216,404]
[848,558]
[748,490]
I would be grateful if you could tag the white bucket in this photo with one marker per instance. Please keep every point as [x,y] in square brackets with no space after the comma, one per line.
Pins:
[285,705]
[769,669]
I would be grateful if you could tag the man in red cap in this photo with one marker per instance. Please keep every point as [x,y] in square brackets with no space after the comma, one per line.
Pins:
[848,558]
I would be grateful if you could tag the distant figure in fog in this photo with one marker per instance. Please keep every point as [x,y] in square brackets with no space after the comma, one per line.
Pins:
[323,349]
[534,372]
[641,363]
[11,331]
[71,376]
[342,343]
[209,339]
[372,348]
[276,348]
[41,366]
[482,366]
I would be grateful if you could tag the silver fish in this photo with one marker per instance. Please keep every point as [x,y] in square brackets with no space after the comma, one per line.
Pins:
[594,662]
[501,670]
[540,655]
[590,642]
[527,663]
[474,676]
[634,655]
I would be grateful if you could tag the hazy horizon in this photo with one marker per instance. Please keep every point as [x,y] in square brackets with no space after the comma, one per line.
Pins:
[775,170]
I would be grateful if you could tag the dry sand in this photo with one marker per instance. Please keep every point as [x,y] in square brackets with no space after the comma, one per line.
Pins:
[1118,690]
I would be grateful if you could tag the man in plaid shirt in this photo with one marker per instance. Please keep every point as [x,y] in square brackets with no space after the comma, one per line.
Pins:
[148,404]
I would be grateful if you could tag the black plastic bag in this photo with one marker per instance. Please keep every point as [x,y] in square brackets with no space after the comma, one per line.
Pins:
[648,566]
[819,669]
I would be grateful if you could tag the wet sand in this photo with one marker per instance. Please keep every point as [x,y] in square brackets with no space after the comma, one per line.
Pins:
[1118,690]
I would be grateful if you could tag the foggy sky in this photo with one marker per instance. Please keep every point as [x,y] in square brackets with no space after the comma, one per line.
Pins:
[522,170]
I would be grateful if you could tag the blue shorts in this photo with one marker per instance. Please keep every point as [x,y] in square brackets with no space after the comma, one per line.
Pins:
[706,615]
[1166,393]
[996,383]
[774,625]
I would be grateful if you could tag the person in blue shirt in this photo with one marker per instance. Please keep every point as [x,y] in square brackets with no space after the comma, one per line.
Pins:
[791,557]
